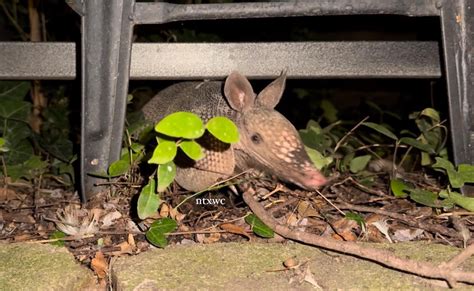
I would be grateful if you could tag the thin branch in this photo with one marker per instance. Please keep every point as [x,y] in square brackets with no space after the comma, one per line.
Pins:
[383,257]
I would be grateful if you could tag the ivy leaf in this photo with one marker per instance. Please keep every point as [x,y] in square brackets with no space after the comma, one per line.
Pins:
[425,197]
[461,200]
[317,158]
[148,201]
[192,149]
[258,227]
[156,238]
[398,188]
[57,235]
[164,152]
[329,111]
[455,178]
[467,173]
[357,218]
[381,129]
[166,174]
[181,124]
[431,113]
[359,163]
[3,147]
[14,90]
[118,168]
[223,129]
[158,230]
[15,109]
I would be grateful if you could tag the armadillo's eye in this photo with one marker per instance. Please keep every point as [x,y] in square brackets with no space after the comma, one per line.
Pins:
[256,138]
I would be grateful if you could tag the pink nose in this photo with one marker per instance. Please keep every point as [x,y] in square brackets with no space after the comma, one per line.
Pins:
[313,179]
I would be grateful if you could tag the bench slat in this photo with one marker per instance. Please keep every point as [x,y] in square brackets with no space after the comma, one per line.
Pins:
[153,61]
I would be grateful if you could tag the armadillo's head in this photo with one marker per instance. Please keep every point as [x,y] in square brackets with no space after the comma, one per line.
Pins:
[268,141]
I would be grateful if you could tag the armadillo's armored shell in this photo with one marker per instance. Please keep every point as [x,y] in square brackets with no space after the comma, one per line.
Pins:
[204,99]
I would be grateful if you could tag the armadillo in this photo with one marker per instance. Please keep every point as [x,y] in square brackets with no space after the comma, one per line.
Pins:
[268,142]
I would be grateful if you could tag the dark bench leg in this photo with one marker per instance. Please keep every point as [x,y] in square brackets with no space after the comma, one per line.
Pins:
[457,23]
[106,47]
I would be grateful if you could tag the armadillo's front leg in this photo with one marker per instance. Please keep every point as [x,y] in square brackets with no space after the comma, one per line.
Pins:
[217,164]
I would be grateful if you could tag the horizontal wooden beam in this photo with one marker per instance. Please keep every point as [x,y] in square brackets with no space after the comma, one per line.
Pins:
[153,61]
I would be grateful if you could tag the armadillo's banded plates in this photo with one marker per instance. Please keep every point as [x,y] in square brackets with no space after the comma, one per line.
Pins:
[218,163]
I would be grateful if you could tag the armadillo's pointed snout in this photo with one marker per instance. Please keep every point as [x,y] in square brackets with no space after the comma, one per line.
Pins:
[314,180]
[310,178]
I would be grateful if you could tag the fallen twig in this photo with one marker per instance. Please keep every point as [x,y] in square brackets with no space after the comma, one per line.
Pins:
[380,256]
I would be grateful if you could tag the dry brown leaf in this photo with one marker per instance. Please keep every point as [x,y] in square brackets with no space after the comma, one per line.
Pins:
[107,240]
[109,219]
[290,263]
[180,217]
[131,240]
[99,265]
[7,194]
[208,239]
[164,210]
[344,229]
[21,217]
[377,228]
[22,237]
[173,213]
[232,228]
[306,210]
[292,219]
[125,248]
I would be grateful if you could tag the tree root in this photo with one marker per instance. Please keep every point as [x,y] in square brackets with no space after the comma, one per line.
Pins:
[445,271]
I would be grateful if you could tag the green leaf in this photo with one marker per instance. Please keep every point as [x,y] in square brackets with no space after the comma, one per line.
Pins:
[181,124]
[223,129]
[463,201]
[16,131]
[164,152]
[329,111]
[60,147]
[57,235]
[166,174]
[15,109]
[29,169]
[381,129]
[158,230]
[425,159]
[14,89]
[398,188]
[425,197]
[156,238]
[314,139]
[455,178]
[258,227]
[164,225]
[431,113]
[359,163]
[357,218]
[118,168]
[443,164]
[192,149]
[148,201]
[3,147]
[318,159]
[467,173]
[418,144]
[136,147]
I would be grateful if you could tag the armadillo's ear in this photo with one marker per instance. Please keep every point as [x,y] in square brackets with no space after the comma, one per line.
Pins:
[238,92]
[271,95]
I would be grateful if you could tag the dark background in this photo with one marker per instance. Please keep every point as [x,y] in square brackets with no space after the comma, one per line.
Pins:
[301,101]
